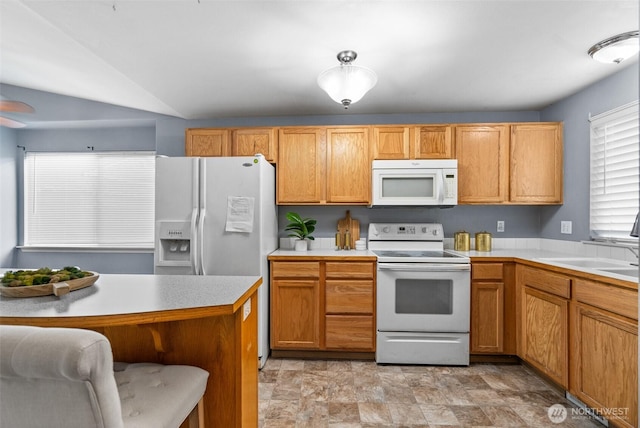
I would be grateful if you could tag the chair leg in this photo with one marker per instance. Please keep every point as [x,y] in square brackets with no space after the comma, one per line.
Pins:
[196,417]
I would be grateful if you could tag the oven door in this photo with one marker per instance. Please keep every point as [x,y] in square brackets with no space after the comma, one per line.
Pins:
[423,297]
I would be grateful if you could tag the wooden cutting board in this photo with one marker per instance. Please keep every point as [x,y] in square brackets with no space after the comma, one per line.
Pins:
[352,225]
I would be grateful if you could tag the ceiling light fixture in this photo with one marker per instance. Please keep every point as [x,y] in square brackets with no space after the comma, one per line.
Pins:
[347,83]
[616,49]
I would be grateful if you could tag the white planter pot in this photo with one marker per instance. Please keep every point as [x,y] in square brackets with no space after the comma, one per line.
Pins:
[301,245]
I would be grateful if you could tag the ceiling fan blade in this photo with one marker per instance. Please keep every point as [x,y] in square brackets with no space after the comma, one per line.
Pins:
[10,123]
[15,106]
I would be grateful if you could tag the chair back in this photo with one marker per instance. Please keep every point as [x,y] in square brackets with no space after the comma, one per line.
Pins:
[57,377]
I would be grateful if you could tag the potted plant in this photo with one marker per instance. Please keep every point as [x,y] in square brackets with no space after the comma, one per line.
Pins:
[300,228]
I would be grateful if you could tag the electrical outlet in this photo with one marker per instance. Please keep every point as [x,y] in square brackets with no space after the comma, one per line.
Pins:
[500,227]
[565,227]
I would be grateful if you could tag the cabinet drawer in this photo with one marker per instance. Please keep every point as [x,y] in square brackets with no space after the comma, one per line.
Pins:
[295,269]
[620,301]
[349,296]
[349,332]
[547,281]
[350,270]
[486,271]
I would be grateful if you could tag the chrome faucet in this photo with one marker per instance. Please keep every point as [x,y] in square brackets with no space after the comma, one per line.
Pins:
[634,229]
[634,232]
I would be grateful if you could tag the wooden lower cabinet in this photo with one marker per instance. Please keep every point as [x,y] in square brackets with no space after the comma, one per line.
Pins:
[544,322]
[323,305]
[349,332]
[295,305]
[493,322]
[595,323]
[604,351]
[487,317]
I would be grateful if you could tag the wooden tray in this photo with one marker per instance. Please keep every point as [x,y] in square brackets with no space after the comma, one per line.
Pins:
[56,288]
[353,226]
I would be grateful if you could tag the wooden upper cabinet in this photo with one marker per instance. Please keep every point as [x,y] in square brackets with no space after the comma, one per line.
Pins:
[483,158]
[250,141]
[207,142]
[433,142]
[348,166]
[536,163]
[390,142]
[413,142]
[301,166]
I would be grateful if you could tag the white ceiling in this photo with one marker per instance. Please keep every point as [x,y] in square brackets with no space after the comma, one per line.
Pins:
[199,59]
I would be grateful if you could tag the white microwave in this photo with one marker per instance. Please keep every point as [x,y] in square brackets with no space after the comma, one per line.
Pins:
[419,182]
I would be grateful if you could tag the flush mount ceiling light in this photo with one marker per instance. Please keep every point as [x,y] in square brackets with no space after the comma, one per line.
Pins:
[347,83]
[616,49]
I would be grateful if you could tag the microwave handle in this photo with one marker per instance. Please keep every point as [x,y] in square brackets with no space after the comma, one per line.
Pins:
[441,188]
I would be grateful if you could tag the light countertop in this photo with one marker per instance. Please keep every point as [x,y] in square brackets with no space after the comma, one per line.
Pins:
[322,253]
[533,255]
[114,294]
[557,259]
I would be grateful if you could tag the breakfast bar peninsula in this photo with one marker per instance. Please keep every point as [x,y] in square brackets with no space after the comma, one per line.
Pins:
[204,321]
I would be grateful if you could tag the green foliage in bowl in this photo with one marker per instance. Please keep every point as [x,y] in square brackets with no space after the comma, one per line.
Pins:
[42,276]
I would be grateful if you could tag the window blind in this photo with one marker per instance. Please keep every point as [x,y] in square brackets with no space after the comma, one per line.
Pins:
[89,199]
[614,173]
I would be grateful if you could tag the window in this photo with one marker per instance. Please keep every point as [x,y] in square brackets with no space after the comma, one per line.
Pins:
[103,200]
[614,173]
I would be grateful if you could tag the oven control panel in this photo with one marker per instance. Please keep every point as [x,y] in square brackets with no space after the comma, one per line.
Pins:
[406,232]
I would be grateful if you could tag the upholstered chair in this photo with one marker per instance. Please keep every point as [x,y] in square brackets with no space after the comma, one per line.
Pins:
[66,378]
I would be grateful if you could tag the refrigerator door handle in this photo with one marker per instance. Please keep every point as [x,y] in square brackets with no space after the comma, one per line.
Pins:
[200,239]
[194,241]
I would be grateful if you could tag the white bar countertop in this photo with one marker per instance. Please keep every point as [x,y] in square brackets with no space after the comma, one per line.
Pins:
[116,294]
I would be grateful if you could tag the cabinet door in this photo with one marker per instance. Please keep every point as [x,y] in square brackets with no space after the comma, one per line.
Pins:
[487,317]
[295,314]
[348,166]
[433,142]
[536,163]
[207,142]
[300,174]
[390,142]
[248,142]
[349,296]
[605,362]
[544,336]
[483,163]
[349,332]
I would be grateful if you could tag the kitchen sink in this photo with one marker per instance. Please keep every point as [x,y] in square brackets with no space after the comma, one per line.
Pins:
[622,271]
[590,263]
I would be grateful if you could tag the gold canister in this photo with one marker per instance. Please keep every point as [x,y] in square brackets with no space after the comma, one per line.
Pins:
[461,241]
[483,241]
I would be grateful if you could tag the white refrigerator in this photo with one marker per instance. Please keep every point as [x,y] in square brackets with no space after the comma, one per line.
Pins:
[217,216]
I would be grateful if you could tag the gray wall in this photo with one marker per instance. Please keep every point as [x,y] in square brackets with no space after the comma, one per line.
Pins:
[80,123]
[574,111]
[8,196]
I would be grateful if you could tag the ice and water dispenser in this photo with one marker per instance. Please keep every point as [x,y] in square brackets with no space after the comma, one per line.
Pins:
[175,243]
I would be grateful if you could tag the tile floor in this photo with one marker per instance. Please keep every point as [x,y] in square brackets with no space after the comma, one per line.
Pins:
[350,394]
